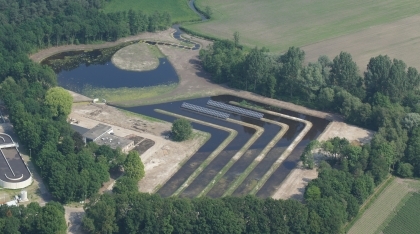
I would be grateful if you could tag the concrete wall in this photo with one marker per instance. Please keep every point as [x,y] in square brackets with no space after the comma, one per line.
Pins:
[18,185]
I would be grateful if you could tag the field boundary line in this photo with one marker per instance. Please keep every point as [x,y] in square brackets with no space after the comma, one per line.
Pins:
[393,214]
[240,153]
[286,153]
[235,184]
[386,203]
[371,199]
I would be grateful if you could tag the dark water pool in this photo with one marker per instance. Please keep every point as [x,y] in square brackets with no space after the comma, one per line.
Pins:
[80,70]
[244,134]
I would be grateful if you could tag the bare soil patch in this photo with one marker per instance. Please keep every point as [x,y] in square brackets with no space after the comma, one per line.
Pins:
[399,39]
[294,185]
[161,157]
[136,57]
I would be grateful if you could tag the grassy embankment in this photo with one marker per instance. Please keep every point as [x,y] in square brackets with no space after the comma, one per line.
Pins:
[178,9]
[279,24]
[387,204]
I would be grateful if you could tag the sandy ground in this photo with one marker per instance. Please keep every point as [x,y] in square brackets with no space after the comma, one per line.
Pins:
[294,185]
[399,39]
[136,57]
[162,160]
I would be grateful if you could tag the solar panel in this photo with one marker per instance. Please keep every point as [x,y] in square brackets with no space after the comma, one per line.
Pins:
[235,109]
[204,110]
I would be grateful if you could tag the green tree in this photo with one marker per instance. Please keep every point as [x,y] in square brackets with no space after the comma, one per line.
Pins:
[181,130]
[133,166]
[51,219]
[291,68]
[125,185]
[59,101]
[405,170]
[236,38]
[345,73]
[312,193]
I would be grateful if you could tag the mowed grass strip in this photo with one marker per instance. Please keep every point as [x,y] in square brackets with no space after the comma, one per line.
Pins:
[120,96]
[379,211]
[279,24]
[178,9]
[407,220]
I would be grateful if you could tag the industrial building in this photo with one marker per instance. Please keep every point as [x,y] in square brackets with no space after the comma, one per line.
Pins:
[14,173]
[102,134]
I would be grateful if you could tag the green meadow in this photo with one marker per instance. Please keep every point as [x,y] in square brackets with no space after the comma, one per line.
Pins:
[178,9]
[279,24]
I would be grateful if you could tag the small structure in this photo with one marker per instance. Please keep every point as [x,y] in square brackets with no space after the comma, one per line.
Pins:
[14,174]
[103,135]
[97,132]
[23,196]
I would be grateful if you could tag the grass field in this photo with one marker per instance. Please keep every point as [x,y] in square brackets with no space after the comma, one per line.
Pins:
[407,220]
[279,24]
[384,210]
[128,94]
[178,9]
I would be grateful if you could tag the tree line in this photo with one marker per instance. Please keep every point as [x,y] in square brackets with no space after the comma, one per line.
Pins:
[33,219]
[384,98]
[345,181]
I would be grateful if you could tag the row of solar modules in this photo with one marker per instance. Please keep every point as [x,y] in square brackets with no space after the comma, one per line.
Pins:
[204,110]
[235,109]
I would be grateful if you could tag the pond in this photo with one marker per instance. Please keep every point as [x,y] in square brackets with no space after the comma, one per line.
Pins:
[79,71]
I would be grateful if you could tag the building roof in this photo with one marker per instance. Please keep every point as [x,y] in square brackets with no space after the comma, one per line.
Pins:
[12,167]
[113,141]
[79,129]
[97,131]
[5,139]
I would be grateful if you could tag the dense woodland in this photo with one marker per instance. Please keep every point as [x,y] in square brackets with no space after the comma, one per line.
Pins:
[71,171]
[33,219]
[331,200]
[384,98]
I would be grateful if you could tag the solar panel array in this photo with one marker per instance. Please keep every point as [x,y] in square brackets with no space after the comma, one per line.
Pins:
[235,109]
[204,110]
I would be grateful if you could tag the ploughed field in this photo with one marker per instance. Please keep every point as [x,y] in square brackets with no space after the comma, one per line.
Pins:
[204,183]
[279,24]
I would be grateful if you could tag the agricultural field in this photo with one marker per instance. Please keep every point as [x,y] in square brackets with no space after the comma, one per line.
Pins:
[407,220]
[178,9]
[387,212]
[279,24]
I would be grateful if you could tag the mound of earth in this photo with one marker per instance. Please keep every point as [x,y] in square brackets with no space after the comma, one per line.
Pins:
[136,57]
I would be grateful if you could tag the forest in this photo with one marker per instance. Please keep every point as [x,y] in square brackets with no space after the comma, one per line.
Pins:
[33,219]
[384,98]
[331,200]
